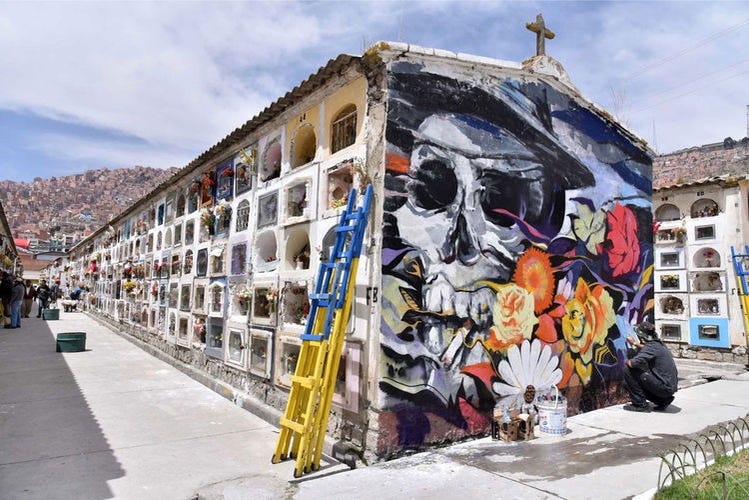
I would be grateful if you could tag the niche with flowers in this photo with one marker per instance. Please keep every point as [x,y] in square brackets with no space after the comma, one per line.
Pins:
[297,200]
[266,251]
[340,182]
[207,188]
[216,299]
[264,304]
[706,257]
[241,300]
[297,251]
[295,303]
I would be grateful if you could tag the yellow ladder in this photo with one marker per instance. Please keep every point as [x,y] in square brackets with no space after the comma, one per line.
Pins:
[741,270]
[305,420]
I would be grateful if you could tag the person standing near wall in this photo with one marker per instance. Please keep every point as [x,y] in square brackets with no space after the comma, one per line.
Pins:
[16,299]
[6,290]
[42,294]
[28,299]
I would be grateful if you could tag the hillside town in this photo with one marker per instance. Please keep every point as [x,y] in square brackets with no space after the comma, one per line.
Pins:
[55,213]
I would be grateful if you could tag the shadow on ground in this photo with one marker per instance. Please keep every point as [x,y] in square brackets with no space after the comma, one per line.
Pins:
[51,445]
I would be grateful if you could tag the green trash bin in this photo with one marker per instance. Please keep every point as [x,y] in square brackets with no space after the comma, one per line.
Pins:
[51,314]
[71,342]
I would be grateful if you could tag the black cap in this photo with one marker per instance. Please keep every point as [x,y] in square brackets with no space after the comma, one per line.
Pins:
[646,331]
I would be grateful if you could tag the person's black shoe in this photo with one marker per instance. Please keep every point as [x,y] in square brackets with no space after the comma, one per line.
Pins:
[638,408]
[8,326]
[664,405]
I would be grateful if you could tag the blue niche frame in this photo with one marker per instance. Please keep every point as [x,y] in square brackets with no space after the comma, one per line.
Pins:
[723,339]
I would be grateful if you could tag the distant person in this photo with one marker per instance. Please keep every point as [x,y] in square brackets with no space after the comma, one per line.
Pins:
[55,292]
[28,299]
[43,293]
[6,290]
[16,299]
[650,374]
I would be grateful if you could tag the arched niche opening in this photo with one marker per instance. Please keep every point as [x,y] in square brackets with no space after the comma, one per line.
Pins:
[704,207]
[297,251]
[303,146]
[270,167]
[266,251]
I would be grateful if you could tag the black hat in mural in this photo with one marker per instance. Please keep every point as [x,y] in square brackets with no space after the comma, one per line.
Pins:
[417,95]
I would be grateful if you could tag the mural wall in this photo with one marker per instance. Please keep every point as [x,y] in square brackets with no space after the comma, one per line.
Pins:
[517,251]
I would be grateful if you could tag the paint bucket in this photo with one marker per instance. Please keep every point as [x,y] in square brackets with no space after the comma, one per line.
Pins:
[552,414]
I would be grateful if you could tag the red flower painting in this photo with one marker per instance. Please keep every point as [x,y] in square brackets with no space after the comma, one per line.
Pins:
[621,240]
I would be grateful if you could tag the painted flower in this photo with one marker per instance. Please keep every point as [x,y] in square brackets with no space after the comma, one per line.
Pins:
[531,364]
[589,315]
[513,315]
[589,227]
[622,243]
[533,273]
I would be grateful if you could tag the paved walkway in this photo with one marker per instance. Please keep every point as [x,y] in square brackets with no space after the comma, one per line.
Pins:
[115,422]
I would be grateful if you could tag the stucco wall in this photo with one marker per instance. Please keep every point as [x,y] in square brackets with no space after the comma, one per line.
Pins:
[517,250]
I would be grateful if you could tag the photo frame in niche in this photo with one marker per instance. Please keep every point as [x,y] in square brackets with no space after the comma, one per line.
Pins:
[267,212]
[264,303]
[214,339]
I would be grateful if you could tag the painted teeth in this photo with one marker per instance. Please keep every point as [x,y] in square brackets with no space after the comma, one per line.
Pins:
[441,297]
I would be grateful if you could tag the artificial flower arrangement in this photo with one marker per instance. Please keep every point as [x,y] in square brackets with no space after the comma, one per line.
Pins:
[208,179]
[129,286]
[222,209]
[228,172]
[207,218]
[339,203]
[243,295]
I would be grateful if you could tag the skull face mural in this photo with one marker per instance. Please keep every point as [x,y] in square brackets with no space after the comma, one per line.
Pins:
[509,259]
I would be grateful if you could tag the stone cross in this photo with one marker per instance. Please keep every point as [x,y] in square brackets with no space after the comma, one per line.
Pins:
[542,33]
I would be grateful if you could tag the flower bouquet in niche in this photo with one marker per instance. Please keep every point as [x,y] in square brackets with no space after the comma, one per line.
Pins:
[222,210]
[207,218]
[129,286]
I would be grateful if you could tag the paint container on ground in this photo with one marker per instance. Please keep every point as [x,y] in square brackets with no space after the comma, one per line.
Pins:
[552,413]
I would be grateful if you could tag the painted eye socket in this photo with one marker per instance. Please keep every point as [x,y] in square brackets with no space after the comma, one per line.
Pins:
[433,186]
[505,192]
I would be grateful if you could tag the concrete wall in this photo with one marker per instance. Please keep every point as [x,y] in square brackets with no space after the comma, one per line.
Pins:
[517,249]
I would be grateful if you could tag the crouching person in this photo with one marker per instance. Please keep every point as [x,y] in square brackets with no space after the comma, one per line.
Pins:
[650,372]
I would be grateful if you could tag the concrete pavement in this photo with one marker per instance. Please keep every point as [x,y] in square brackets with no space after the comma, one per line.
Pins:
[115,422]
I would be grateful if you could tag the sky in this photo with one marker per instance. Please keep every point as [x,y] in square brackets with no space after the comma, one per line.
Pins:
[86,85]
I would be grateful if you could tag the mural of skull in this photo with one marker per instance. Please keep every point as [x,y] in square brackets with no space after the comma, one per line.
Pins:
[483,244]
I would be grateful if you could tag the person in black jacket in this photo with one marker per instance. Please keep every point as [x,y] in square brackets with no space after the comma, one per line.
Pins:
[650,374]
[43,294]
[6,291]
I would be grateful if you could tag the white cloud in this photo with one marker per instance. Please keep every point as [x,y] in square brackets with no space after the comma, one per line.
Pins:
[181,76]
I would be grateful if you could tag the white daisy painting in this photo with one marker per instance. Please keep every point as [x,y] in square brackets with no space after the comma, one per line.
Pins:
[531,364]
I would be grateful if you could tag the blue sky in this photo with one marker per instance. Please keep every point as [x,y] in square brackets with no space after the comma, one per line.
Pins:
[115,84]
